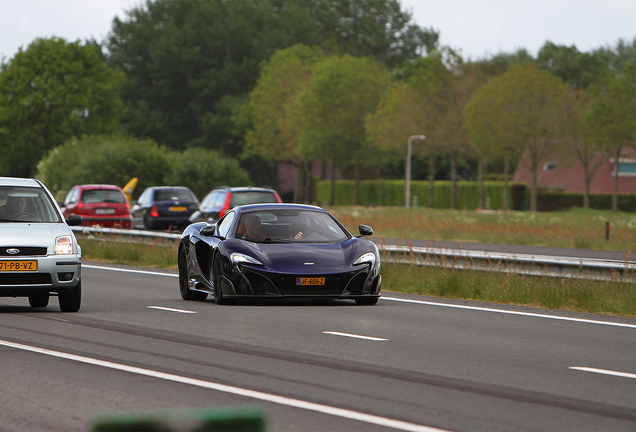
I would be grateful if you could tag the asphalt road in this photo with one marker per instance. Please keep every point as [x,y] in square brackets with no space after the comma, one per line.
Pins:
[408,363]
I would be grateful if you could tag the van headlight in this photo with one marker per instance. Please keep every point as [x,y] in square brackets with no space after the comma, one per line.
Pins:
[63,245]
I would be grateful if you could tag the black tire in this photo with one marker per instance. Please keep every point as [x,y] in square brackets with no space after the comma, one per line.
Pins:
[186,292]
[148,224]
[71,301]
[366,301]
[217,272]
[39,300]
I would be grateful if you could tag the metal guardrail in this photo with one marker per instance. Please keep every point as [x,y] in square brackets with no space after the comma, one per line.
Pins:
[537,265]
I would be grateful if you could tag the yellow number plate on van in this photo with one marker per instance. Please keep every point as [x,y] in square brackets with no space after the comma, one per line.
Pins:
[18,266]
[178,209]
[310,281]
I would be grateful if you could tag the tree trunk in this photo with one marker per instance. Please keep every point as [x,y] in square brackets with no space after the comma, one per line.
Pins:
[533,189]
[453,162]
[356,191]
[615,191]
[505,190]
[480,165]
[431,180]
[332,198]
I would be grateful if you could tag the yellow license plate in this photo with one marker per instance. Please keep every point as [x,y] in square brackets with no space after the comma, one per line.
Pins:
[18,266]
[310,281]
[178,209]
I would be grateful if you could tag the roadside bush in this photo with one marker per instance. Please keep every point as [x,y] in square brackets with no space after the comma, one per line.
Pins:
[103,159]
[202,170]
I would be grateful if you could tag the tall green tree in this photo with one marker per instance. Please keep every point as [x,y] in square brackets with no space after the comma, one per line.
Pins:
[576,138]
[613,118]
[274,108]
[50,92]
[415,104]
[188,63]
[574,67]
[342,91]
[515,114]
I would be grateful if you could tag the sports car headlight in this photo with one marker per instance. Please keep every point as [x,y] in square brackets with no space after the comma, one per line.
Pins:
[366,258]
[242,258]
[63,245]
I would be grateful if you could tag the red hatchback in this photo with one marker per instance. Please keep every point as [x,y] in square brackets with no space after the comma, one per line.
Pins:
[98,204]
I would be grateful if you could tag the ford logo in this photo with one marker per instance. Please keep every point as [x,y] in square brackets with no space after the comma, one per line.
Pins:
[13,251]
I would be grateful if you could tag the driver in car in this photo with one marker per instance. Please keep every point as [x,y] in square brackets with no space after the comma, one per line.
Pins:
[13,207]
[303,223]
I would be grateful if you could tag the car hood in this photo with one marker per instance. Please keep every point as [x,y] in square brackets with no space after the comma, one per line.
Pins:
[294,256]
[32,234]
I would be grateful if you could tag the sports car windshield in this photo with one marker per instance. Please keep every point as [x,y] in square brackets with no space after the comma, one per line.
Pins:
[26,204]
[290,226]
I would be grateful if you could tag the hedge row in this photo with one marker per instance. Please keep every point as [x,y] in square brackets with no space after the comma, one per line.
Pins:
[391,193]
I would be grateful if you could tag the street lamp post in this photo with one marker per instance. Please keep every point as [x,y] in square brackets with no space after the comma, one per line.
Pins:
[407,192]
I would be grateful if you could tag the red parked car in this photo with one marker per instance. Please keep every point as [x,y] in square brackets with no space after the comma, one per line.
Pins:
[99,204]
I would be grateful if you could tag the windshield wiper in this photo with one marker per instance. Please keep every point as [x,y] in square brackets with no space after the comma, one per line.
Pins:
[273,241]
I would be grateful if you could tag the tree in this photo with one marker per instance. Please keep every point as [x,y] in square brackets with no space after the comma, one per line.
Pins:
[613,118]
[574,67]
[516,114]
[202,170]
[110,159]
[188,63]
[576,137]
[275,113]
[413,105]
[342,91]
[53,91]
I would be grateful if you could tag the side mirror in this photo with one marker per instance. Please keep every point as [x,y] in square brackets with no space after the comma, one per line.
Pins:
[208,231]
[74,220]
[365,230]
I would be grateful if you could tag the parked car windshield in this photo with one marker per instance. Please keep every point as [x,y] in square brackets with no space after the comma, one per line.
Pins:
[92,196]
[251,197]
[26,204]
[174,195]
[290,226]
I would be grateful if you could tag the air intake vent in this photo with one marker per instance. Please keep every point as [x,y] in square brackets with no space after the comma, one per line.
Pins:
[5,251]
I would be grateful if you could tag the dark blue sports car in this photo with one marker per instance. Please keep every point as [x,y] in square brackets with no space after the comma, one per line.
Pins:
[278,251]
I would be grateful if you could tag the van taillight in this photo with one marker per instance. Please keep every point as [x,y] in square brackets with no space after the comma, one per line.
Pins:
[154,211]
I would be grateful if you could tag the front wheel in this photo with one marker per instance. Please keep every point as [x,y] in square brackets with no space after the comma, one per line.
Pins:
[186,292]
[366,301]
[71,301]
[39,300]
[218,275]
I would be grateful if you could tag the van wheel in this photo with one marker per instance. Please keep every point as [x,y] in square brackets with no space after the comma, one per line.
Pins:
[39,300]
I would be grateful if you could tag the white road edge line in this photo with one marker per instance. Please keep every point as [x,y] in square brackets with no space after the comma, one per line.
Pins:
[428,303]
[171,309]
[529,314]
[355,336]
[129,270]
[281,400]
[604,372]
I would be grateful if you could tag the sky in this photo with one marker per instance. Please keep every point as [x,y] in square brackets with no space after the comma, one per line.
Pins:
[476,28]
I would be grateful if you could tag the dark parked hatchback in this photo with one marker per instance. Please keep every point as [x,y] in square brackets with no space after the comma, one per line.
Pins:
[224,198]
[164,207]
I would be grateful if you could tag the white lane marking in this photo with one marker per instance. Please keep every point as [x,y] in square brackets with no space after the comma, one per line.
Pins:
[171,309]
[281,400]
[129,270]
[604,372]
[530,314]
[354,336]
[428,303]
